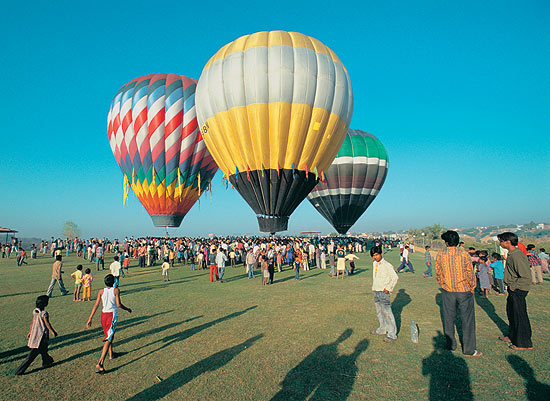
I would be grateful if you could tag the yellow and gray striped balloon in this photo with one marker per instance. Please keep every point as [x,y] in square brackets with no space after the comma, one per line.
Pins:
[277,105]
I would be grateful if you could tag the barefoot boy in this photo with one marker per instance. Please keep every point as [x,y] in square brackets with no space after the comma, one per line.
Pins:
[110,298]
[77,275]
[38,336]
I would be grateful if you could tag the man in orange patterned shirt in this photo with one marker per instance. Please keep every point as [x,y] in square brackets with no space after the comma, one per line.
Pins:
[455,275]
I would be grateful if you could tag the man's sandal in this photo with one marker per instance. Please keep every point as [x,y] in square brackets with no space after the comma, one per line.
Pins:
[520,348]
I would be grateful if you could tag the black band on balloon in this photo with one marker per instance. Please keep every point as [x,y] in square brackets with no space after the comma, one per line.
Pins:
[273,195]
[166,220]
[272,224]
[342,211]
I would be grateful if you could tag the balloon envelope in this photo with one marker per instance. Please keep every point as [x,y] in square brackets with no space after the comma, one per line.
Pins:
[352,181]
[273,108]
[154,136]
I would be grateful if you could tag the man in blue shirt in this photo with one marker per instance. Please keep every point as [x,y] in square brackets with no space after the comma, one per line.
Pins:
[428,260]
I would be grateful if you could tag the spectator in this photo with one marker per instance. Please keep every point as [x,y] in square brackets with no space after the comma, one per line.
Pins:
[517,276]
[535,264]
[455,275]
[384,279]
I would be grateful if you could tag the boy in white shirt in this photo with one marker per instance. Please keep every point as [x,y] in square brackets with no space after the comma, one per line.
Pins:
[384,280]
[110,298]
[165,267]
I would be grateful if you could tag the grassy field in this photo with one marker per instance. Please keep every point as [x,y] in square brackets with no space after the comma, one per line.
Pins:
[237,340]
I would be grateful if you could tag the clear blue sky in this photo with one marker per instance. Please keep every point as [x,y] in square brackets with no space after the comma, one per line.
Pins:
[459,93]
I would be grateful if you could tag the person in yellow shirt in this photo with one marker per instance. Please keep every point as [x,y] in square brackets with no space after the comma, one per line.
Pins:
[87,285]
[77,275]
[172,256]
[232,256]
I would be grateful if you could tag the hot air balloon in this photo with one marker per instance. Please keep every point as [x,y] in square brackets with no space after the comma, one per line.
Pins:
[352,181]
[154,136]
[274,108]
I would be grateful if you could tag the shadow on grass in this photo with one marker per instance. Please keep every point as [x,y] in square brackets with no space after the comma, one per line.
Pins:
[282,280]
[235,278]
[310,275]
[126,340]
[401,300]
[72,338]
[161,284]
[359,271]
[181,378]
[324,374]
[21,293]
[181,336]
[534,390]
[449,375]
[489,308]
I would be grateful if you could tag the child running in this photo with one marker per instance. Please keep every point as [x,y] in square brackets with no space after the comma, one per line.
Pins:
[77,275]
[87,285]
[38,336]
[110,297]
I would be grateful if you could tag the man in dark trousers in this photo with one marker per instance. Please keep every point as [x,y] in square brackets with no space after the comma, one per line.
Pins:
[455,275]
[517,276]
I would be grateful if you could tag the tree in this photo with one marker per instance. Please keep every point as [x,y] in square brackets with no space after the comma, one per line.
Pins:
[530,225]
[414,232]
[434,231]
[70,230]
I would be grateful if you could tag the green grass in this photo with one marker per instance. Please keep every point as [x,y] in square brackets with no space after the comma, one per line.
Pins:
[237,340]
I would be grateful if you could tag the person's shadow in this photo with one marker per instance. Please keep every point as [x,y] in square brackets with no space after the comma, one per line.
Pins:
[323,374]
[179,379]
[489,308]
[534,389]
[449,375]
[401,300]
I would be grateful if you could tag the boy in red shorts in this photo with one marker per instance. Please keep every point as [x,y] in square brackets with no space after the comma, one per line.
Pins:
[110,297]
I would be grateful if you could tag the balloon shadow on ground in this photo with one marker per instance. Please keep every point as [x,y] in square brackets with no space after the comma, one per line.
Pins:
[177,337]
[489,308]
[401,300]
[534,390]
[458,320]
[181,378]
[69,339]
[449,374]
[324,374]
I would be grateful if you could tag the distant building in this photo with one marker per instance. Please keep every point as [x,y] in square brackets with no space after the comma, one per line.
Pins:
[540,226]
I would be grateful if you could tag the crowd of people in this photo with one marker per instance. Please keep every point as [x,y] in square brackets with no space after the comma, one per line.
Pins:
[458,272]
[262,255]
